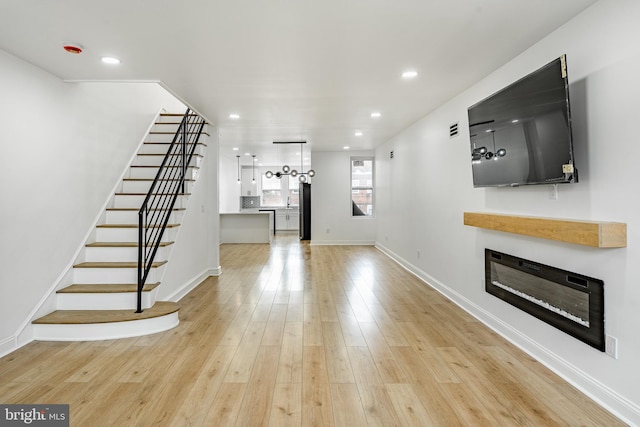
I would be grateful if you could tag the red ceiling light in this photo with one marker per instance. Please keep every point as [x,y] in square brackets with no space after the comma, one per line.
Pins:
[73,48]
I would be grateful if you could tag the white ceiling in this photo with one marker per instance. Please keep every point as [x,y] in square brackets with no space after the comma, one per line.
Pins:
[292,69]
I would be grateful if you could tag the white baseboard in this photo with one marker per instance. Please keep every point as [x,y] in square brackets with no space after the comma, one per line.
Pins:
[342,243]
[192,283]
[8,345]
[618,405]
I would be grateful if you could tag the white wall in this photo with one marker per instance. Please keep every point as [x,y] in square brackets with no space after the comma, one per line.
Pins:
[196,253]
[422,197]
[229,197]
[230,190]
[63,147]
[331,219]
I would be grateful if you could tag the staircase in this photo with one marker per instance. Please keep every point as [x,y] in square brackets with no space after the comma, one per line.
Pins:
[101,303]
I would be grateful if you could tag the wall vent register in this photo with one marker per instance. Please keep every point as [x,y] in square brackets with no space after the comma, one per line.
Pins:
[453,130]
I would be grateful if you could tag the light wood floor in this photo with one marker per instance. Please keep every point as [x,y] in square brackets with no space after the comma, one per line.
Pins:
[296,335]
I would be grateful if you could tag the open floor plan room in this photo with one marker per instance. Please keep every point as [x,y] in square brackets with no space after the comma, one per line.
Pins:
[298,335]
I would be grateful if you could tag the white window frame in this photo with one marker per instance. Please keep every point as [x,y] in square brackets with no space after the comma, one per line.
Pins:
[361,187]
[287,185]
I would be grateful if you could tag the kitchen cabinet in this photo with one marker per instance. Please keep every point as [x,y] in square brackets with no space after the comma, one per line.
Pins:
[246,227]
[287,219]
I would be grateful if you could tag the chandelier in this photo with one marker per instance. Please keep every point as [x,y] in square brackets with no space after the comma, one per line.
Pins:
[286,170]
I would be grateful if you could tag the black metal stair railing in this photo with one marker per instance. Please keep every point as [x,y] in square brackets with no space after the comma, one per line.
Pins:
[159,203]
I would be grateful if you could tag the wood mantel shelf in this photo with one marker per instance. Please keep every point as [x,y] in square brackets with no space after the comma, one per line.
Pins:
[597,234]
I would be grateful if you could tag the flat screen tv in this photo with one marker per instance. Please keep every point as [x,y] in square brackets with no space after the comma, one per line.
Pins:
[521,135]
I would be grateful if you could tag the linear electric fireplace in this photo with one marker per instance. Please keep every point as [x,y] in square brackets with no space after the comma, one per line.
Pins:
[571,302]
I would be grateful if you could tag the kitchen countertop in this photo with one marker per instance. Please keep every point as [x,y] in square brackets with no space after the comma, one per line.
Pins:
[246,212]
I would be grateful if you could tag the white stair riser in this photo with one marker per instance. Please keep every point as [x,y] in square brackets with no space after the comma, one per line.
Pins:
[105,331]
[168,119]
[111,275]
[105,301]
[130,234]
[103,254]
[156,137]
[131,217]
[162,148]
[131,201]
[150,173]
[156,160]
[166,137]
[143,186]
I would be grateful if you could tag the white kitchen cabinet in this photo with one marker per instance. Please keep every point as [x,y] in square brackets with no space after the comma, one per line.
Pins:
[287,219]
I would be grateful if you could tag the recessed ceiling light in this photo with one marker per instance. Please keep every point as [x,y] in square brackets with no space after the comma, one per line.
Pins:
[110,60]
[234,116]
[376,115]
[358,133]
[409,74]
[515,121]
[247,154]
[346,147]
[235,148]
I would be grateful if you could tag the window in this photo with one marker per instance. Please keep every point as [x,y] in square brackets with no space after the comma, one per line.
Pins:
[362,186]
[280,192]
[271,192]
[294,189]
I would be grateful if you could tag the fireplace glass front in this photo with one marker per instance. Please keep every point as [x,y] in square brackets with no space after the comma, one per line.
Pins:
[571,302]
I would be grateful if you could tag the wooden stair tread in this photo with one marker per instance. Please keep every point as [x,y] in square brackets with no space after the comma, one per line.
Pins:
[168,143]
[173,133]
[157,166]
[120,244]
[176,114]
[151,179]
[135,226]
[115,264]
[110,288]
[153,194]
[137,209]
[79,317]
[164,154]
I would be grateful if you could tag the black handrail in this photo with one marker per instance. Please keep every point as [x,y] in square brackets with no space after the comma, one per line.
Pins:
[169,182]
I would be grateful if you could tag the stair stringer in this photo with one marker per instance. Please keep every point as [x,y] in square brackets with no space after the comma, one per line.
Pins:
[106,330]
[47,303]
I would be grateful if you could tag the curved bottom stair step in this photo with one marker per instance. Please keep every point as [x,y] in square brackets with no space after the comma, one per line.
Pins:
[91,325]
[82,317]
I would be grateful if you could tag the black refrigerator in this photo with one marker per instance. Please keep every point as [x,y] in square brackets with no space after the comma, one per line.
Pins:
[305,211]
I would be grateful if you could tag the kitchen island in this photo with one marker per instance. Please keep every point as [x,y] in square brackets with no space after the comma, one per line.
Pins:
[246,227]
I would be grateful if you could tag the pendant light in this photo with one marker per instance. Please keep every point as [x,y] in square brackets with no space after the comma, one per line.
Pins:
[238,159]
[253,169]
[286,170]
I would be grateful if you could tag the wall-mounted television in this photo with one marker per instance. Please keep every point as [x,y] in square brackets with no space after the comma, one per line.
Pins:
[521,134]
